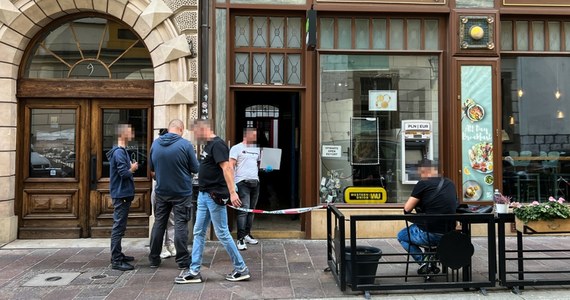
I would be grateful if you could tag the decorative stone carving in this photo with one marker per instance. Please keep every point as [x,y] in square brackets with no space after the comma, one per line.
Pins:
[8,12]
[187,20]
[476,32]
[176,4]
[175,48]
[179,92]
[155,13]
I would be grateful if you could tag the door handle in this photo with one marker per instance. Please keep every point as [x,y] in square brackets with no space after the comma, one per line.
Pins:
[93,172]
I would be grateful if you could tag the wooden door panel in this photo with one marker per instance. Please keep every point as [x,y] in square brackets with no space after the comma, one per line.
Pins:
[102,217]
[105,116]
[51,202]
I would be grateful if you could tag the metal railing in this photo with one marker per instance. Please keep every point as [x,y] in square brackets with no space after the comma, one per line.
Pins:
[392,274]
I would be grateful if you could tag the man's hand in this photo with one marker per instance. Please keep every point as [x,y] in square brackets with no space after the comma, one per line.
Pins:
[234,198]
[134,166]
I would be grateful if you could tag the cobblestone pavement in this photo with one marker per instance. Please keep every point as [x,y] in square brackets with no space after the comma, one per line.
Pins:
[281,269]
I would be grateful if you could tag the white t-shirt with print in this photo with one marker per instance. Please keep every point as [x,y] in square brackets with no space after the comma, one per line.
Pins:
[246,165]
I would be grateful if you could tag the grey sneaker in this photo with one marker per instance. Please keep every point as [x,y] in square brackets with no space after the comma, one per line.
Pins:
[188,277]
[241,245]
[238,275]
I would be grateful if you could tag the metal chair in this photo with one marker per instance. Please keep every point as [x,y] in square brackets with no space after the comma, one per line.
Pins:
[429,253]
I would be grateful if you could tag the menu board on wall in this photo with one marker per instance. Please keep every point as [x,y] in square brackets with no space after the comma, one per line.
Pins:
[477,132]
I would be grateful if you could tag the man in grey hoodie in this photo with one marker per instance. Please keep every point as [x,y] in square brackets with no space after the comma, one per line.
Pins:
[122,186]
[172,162]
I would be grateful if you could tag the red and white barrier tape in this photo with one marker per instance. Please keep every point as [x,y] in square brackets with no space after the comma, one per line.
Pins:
[289,211]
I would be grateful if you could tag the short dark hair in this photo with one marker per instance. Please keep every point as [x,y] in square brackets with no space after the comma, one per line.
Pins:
[428,163]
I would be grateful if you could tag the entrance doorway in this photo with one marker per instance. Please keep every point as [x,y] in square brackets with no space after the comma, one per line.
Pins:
[64,171]
[276,117]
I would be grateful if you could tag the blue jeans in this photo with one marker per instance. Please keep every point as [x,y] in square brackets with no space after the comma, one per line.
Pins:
[209,210]
[417,238]
[181,206]
[120,215]
[248,191]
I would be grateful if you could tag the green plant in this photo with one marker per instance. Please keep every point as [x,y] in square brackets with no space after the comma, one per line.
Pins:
[535,211]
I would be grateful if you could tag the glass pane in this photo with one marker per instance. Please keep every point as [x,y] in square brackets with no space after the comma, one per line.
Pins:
[294,69]
[242,68]
[506,35]
[414,34]
[138,120]
[92,48]
[536,133]
[326,36]
[259,68]
[242,31]
[554,36]
[432,34]
[362,33]
[567,35]
[386,89]
[474,3]
[538,35]
[294,33]
[344,40]
[522,35]
[379,33]
[52,143]
[277,32]
[397,34]
[260,32]
[277,64]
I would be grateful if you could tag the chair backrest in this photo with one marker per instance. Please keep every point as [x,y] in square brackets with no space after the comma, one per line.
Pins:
[525,163]
[554,155]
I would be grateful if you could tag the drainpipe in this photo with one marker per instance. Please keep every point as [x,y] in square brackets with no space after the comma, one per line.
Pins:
[203,59]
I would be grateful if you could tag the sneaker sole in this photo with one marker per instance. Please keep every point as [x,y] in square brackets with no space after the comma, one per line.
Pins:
[188,281]
[252,243]
[244,277]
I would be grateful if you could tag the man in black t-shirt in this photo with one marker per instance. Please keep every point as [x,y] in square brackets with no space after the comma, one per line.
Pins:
[429,198]
[216,177]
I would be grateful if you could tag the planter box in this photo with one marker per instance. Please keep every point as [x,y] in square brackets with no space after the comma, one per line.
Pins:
[551,226]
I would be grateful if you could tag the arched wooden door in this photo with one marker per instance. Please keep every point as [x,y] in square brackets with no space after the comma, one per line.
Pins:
[81,76]
[65,172]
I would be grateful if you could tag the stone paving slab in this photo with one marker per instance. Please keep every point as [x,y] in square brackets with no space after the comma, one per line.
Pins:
[281,269]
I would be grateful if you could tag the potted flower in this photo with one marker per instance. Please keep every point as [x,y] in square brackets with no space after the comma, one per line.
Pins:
[545,217]
[502,203]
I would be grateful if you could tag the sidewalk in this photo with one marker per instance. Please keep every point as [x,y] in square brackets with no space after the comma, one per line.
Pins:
[281,269]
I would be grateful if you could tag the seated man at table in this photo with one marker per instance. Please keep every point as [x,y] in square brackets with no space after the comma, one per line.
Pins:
[431,195]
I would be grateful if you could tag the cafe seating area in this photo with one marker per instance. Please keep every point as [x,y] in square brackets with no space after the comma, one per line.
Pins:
[531,176]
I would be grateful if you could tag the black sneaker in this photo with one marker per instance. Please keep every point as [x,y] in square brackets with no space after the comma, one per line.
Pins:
[122,266]
[237,275]
[128,258]
[188,277]
[428,269]
[155,264]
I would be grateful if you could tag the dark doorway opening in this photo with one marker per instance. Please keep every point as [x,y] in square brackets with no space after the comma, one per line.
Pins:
[276,117]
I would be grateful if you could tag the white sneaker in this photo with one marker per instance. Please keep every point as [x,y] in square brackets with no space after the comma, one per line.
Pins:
[250,240]
[241,245]
[165,253]
[171,249]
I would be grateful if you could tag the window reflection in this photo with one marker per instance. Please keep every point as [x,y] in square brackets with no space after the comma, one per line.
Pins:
[93,48]
[536,135]
[137,148]
[346,82]
[52,143]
